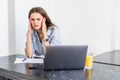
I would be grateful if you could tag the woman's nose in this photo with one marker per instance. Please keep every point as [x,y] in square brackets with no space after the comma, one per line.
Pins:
[35,21]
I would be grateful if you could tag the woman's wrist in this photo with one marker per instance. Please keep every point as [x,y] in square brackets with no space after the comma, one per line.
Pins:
[45,36]
[46,40]
[29,34]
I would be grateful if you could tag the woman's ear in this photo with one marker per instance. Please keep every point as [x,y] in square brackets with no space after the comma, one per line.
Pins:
[44,19]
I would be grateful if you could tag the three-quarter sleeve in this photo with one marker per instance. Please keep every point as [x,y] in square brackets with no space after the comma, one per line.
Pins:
[55,37]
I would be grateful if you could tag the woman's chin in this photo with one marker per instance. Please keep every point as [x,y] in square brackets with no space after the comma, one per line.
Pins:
[36,28]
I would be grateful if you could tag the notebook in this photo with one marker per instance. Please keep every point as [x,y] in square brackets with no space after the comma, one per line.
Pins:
[65,57]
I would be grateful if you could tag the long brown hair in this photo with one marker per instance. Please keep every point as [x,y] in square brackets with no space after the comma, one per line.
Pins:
[42,12]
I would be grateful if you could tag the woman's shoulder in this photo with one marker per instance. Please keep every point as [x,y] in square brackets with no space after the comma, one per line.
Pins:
[53,28]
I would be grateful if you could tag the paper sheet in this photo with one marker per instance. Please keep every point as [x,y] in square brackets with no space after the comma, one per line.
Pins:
[28,60]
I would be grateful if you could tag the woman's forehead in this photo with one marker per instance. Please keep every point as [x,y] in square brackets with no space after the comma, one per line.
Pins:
[36,15]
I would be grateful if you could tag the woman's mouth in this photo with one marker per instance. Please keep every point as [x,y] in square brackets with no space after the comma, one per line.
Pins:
[36,25]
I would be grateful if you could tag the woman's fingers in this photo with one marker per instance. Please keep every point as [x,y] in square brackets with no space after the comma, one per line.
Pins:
[44,28]
[30,29]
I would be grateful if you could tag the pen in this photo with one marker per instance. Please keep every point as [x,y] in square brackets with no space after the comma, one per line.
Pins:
[24,59]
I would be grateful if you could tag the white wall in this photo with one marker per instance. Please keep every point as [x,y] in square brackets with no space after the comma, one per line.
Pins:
[117,24]
[92,22]
[11,26]
[3,27]
[80,21]
[21,12]
[86,22]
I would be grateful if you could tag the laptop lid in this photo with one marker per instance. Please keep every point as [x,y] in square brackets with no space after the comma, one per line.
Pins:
[65,57]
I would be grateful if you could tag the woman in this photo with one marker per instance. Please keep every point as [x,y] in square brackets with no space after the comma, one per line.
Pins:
[41,32]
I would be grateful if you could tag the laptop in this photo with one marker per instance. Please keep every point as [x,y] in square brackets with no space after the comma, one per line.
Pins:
[65,57]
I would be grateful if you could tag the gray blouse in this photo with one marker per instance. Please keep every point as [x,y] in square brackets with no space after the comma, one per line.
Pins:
[53,38]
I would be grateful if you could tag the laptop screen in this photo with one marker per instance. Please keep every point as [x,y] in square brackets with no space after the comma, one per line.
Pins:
[65,57]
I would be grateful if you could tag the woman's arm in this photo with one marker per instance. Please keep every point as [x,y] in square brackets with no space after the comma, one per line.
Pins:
[46,42]
[28,49]
[45,35]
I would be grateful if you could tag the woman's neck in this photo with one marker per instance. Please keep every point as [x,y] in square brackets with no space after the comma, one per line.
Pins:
[40,34]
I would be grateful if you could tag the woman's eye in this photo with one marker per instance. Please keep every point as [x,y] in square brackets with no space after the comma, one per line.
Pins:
[38,19]
[32,19]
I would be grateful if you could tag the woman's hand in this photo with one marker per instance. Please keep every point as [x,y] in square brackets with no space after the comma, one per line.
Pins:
[30,29]
[44,33]
[44,28]
[28,49]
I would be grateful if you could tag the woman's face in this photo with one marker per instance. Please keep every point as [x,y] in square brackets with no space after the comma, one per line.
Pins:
[36,20]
